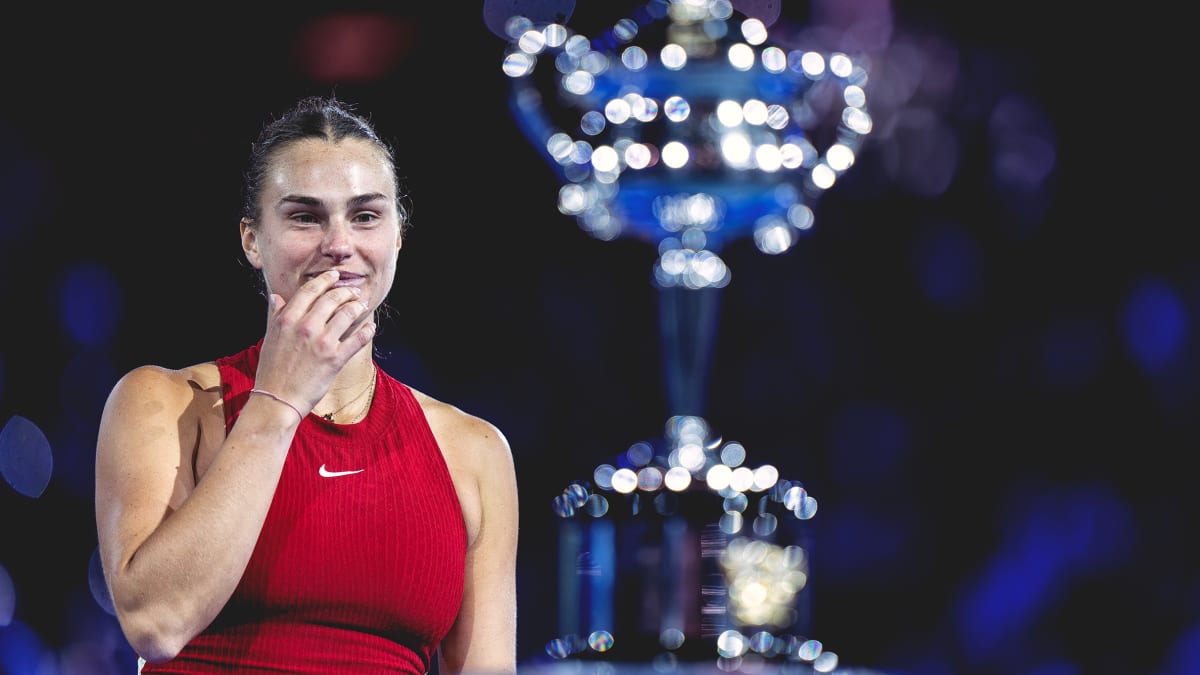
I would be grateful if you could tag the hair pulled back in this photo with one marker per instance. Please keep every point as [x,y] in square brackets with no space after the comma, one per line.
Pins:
[322,117]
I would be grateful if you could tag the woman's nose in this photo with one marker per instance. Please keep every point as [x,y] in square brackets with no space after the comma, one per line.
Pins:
[337,242]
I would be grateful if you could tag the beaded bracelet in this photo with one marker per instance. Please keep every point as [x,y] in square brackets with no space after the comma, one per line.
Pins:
[264,392]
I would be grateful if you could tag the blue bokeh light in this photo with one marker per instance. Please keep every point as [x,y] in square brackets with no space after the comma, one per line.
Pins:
[949,265]
[21,649]
[1057,537]
[1184,654]
[1024,158]
[26,460]
[873,545]
[8,597]
[89,303]
[97,584]
[1154,321]
[86,381]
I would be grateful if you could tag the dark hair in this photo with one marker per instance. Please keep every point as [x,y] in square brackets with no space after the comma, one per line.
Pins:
[326,118]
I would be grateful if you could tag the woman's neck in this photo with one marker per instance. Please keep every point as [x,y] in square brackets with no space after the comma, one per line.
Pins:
[348,397]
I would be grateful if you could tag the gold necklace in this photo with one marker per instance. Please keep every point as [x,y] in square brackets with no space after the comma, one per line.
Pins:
[370,388]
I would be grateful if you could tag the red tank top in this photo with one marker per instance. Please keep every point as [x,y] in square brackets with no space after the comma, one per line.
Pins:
[359,565]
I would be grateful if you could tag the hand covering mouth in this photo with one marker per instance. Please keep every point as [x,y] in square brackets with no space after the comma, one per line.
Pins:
[345,278]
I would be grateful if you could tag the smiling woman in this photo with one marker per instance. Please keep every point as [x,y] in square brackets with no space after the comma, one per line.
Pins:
[293,506]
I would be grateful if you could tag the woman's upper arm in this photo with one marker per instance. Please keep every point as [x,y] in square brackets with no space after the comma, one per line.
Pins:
[483,639]
[140,472]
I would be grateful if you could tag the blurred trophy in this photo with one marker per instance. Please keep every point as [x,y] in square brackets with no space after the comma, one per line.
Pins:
[684,125]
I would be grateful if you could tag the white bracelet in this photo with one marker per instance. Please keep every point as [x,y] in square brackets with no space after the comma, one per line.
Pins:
[264,392]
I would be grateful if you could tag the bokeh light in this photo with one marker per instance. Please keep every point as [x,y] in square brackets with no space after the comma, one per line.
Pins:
[740,145]
[352,47]
[950,267]
[90,303]
[22,650]
[8,597]
[97,585]
[743,524]
[1155,324]
[26,461]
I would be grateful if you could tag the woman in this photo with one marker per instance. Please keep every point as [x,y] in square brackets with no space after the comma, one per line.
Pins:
[292,507]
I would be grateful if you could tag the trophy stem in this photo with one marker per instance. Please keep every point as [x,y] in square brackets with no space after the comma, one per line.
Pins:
[687,324]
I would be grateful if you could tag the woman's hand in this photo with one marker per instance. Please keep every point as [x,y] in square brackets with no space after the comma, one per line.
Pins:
[310,337]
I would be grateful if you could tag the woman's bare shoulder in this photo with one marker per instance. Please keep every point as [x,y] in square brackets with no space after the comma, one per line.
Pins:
[169,386]
[460,431]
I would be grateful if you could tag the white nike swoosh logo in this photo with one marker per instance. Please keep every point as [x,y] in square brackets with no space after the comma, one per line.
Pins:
[334,474]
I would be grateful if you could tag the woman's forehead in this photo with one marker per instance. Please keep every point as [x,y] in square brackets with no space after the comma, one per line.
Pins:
[313,150]
[316,167]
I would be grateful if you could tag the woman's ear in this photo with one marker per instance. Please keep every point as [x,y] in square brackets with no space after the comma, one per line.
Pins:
[250,242]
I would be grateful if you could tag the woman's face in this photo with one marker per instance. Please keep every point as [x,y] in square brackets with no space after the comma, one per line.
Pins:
[327,205]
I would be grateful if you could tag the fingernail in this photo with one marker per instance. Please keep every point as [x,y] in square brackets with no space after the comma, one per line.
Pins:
[334,273]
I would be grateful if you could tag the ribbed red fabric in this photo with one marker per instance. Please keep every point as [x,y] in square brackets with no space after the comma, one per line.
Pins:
[353,573]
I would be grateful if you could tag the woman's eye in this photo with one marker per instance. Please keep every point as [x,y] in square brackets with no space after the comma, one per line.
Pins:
[304,218]
[366,218]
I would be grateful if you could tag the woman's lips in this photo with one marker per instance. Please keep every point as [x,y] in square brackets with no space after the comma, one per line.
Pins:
[345,278]
[348,279]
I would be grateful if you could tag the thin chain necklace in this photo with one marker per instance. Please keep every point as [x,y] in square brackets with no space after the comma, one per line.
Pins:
[370,388]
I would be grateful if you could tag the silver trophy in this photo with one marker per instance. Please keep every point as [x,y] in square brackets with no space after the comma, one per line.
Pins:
[686,126]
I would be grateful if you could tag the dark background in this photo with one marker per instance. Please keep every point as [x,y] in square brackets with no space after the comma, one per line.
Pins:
[988,381]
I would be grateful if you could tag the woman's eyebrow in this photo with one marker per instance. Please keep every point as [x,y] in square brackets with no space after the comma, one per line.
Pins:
[366,199]
[299,199]
[354,202]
